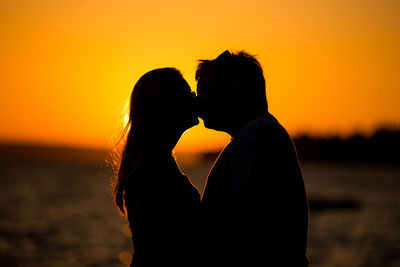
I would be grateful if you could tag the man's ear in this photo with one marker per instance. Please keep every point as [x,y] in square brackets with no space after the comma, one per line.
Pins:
[234,84]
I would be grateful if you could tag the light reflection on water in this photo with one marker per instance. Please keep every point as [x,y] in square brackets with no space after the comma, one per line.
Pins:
[63,215]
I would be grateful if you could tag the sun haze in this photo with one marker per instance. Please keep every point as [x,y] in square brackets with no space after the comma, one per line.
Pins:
[68,67]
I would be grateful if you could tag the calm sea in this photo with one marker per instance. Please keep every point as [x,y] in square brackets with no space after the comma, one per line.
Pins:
[61,214]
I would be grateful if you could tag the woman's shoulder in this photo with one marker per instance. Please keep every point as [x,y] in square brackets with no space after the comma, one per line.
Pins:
[160,189]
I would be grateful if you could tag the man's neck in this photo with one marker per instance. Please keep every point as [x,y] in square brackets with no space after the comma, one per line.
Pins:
[232,131]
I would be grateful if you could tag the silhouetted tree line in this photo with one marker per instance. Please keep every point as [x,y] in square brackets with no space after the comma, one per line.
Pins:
[382,146]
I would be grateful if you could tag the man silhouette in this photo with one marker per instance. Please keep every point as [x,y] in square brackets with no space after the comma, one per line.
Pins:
[254,210]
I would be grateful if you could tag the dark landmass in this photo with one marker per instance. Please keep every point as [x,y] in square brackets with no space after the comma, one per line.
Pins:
[51,153]
[383,146]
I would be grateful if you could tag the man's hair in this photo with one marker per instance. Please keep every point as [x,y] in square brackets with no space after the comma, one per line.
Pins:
[244,66]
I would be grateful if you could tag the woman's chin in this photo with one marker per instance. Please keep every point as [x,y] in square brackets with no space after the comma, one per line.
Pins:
[196,121]
[193,122]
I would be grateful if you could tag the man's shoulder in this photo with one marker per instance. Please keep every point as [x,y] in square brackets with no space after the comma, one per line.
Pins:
[264,127]
[263,134]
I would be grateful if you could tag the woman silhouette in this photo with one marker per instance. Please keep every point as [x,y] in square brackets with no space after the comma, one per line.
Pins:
[159,201]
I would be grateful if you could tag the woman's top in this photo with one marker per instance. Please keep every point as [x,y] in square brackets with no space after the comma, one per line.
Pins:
[162,207]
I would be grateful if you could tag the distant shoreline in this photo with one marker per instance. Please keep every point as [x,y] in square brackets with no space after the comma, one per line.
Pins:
[51,153]
[381,147]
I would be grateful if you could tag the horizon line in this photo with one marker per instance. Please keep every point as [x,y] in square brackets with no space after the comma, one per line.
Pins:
[90,146]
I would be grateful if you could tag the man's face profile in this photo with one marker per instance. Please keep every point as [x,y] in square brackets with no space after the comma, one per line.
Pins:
[210,96]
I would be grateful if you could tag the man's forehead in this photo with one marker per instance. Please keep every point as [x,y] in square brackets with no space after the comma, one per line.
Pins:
[209,82]
[208,75]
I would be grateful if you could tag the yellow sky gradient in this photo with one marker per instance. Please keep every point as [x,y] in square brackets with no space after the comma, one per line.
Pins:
[68,67]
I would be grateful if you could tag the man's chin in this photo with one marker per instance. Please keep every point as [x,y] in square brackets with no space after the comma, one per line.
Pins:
[210,125]
[207,125]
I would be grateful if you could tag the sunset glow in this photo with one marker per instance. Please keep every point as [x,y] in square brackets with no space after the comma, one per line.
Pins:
[68,67]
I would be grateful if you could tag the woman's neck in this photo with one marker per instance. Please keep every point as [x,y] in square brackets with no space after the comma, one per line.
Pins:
[158,147]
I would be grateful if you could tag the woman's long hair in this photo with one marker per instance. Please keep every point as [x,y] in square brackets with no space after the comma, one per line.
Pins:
[149,102]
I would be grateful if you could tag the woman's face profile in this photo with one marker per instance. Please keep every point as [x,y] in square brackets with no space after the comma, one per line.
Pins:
[185,110]
[163,100]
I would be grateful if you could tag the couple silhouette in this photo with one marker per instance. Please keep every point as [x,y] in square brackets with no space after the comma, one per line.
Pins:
[254,209]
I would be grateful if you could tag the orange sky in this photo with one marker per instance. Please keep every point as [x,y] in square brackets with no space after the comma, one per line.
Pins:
[67,67]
